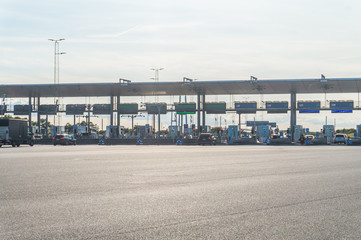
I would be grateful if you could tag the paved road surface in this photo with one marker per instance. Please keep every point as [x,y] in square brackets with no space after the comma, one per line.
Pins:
[180,192]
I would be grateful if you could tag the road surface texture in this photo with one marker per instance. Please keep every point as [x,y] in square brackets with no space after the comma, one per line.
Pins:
[180,192]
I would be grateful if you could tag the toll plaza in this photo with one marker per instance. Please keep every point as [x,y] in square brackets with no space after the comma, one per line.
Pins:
[181,110]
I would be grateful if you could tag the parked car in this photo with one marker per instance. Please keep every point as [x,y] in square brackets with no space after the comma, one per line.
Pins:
[206,138]
[64,139]
[340,138]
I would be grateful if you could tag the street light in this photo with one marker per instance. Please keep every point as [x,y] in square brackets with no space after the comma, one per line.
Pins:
[156,79]
[56,65]
[56,55]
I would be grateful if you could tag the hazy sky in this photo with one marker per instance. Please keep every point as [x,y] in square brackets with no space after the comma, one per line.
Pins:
[208,40]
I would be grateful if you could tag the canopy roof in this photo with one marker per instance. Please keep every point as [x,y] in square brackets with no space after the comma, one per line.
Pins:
[332,85]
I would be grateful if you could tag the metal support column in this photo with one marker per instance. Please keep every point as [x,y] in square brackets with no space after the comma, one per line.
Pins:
[198,113]
[30,110]
[111,109]
[118,114]
[203,110]
[88,122]
[39,117]
[293,114]
[158,134]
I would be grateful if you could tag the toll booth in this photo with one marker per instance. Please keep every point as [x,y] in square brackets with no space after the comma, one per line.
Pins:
[109,132]
[82,130]
[263,133]
[297,131]
[358,128]
[172,132]
[205,129]
[232,132]
[121,131]
[329,132]
[144,131]
[57,130]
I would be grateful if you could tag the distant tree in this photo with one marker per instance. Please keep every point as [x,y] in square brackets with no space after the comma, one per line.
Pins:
[346,131]
[92,125]
[69,127]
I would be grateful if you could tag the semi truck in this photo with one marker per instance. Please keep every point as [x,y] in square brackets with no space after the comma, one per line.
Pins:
[14,132]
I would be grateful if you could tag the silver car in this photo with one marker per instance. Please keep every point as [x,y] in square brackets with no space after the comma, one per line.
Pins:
[340,138]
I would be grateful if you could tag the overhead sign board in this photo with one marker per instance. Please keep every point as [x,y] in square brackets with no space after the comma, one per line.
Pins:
[185,108]
[21,109]
[48,109]
[156,108]
[99,109]
[277,107]
[258,123]
[246,107]
[215,108]
[128,108]
[341,107]
[309,107]
[75,109]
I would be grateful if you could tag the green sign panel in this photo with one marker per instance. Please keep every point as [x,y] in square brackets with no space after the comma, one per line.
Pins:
[130,108]
[215,108]
[48,109]
[76,109]
[99,109]
[21,109]
[155,108]
[185,108]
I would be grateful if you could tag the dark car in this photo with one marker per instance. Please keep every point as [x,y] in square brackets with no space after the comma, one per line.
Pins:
[340,138]
[206,138]
[64,139]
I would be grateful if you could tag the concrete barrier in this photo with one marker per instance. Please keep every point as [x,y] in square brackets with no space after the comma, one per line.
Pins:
[318,141]
[245,141]
[280,141]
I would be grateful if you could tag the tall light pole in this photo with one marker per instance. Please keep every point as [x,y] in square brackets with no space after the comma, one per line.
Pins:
[156,80]
[156,77]
[56,65]
[56,57]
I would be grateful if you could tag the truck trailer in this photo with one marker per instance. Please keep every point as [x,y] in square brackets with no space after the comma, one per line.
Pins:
[14,132]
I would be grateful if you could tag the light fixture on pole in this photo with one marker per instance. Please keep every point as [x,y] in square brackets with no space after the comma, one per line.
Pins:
[56,65]
[56,56]
[156,79]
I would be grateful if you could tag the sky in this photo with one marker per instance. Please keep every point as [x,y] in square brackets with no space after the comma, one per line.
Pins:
[205,40]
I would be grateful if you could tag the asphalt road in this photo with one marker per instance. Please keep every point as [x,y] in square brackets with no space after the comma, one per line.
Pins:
[180,192]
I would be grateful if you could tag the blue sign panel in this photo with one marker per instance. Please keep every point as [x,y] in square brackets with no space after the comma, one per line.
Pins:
[258,123]
[341,111]
[309,105]
[341,105]
[270,105]
[277,107]
[246,107]
[309,111]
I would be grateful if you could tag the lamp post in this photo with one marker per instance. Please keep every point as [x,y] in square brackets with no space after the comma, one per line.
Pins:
[56,66]
[56,57]
[156,80]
